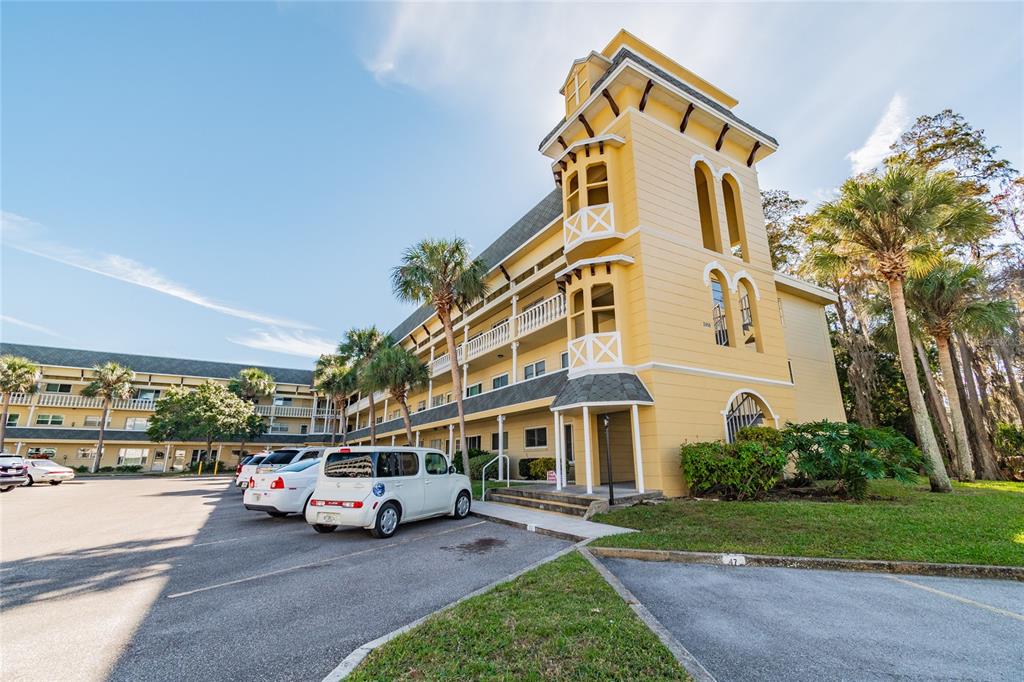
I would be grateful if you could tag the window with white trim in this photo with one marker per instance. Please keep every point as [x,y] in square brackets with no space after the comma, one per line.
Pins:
[473,442]
[706,207]
[147,394]
[49,420]
[57,388]
[282,401]
[475,389]
[12,419]
[132,456]
[734,218]
[136,424]
[494,441]
[42,452]
[94,421]
[597,184]
[534,369]
[536,437]
[278,427]
[565,360]
[499,381]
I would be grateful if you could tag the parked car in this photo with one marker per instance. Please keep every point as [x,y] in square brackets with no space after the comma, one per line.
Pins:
[379,488]
[13,472]
[282,492]
[48,471]
[282,458]
[247,467]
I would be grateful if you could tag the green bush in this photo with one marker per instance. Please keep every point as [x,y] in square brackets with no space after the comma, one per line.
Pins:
[477,460]
[742,470]
[105,470]
[540,467]
[760,434]
[524,466]
[82,469]
[1009,440]
[128,468]
[851,454]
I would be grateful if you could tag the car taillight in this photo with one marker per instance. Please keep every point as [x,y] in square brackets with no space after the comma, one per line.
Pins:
[238,469]
[252,481]
[336,503]
[277,484]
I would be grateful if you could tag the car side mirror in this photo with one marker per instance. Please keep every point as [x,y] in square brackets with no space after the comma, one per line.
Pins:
[451,468]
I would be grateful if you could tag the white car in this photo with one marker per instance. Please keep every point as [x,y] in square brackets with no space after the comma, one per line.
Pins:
[378,488]
[48,471]
[247,469]
[282,492]
[282,458]
[13,472]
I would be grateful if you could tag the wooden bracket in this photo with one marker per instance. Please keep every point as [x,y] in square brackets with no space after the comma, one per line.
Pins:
[686,118]
[611,101]
[583,120]
[750,159]
[647,92]
[562,142]
[504,272]
[721,137]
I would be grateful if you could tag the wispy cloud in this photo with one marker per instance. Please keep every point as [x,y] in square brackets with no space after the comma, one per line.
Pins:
[288,342]
[888,129]
[25,235]
[7,319]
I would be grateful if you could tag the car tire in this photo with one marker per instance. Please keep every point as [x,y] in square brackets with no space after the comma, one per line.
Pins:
[278,514]
[462,505]
[387,521]
[324,528]
[56,482]
[7,489]
[30,482]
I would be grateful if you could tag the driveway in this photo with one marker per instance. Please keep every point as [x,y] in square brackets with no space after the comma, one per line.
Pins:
[173,579]
[793,624]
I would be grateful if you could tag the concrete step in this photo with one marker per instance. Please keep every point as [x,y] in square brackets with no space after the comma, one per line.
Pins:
[563,526]
[543,495]
[534,503]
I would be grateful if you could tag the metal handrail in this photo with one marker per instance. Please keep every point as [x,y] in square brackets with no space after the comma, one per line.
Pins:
[483,475]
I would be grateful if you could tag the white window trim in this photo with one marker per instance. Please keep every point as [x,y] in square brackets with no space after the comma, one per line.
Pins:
[477,384]
[536,447]
[498,376]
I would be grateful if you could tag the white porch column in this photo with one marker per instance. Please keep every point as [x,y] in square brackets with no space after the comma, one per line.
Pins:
[465,379]
[430,382]
[385,417]
[586,450]
[312,417]
[501,446]
[17,448]
[558,456]
[392,440]
[451,442]
[637,454]
[515,362]
[417,439]
[513,329]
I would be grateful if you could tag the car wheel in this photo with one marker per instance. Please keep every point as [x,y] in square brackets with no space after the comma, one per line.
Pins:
[387,521]
[323,528]
[29,483]
[56,482]
[6,489]
[278,514]
[462,504]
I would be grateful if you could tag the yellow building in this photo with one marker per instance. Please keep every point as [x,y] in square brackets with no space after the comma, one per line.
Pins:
[639,291]
[58,422]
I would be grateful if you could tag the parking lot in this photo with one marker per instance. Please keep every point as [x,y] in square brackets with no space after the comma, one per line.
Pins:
[171,579]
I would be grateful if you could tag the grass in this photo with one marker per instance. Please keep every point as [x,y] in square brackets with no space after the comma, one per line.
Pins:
[560,621]
[494,485]
[979,523]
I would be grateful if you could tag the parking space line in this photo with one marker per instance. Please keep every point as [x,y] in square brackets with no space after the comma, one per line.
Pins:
[249,537]
[321,562]
[955,597]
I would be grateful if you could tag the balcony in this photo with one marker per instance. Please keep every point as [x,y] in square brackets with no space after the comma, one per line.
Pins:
[541,315]
[595,352]
[289,411]
[67,400]
[590,223]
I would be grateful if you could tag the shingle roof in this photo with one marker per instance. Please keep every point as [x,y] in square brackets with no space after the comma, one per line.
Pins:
[514,394]
[148,364]
[30,433]
[624,54]
[603,388]
[538,217]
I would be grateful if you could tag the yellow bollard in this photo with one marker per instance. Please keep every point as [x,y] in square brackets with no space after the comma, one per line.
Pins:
[200,471]
[216,465]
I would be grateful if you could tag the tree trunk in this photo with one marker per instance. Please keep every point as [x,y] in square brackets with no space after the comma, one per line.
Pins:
[860,372]
[344,421]
[373,420]
[965,459]
[922,425]
[982,441]
[938,410]
[1011,379]
[449,337]
[406,418]
[3,424]
[209,451]
[103,431]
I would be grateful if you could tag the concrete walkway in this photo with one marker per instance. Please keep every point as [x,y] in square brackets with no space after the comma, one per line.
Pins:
[549,523]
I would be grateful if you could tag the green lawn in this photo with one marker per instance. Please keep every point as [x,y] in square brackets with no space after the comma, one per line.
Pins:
[979,523]
[560,621]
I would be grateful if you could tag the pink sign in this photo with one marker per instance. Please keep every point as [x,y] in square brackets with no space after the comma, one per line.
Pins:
[551,477]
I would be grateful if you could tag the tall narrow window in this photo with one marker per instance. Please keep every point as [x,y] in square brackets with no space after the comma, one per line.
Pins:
[578,311]
[572,195]
[734,218]
[719,310]
[748,313]
[597,184]
[602,308]
[706,207]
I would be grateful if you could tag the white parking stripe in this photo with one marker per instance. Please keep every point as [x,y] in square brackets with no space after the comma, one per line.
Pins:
[965,600]
[322,562]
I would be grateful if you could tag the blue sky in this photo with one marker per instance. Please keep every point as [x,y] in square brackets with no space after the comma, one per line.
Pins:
[234,181]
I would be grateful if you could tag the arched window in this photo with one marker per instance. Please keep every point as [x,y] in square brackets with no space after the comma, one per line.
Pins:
[602,308]
[578,319]
[752,338]
[734,217]
[572,195]
[597,184]
[745,409]
[719,308]
[706,206]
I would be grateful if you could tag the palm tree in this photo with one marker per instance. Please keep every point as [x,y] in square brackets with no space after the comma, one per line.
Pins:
[17,375]
[362,346]
[398,371]
[112,382]
[441,273]
[953,297]
[251,384]
[334,378]
[895,221]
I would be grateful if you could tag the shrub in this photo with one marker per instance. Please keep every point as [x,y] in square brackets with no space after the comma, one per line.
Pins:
[82,469]
[742,470]
[540,467]
[477,460]
[106,469]
[128,468]
[760,434]
[524,466]
[1009,440]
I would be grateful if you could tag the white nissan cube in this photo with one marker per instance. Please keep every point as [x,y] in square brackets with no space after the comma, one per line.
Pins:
[378,488]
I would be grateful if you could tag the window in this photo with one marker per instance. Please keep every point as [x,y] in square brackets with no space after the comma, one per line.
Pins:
[94,421]
[435,443]
[597,184]
[50,420]
[734,217]
[719,310]
[504,441]
[565,360]
[284,456]
[349,465]
[12,419]
[281,400]
[147,394]
[790,364]
[748,314]
[437,401]
[535,369]
[132,456]
[602,308]
[379,420]
[572,196]
[537,437]
[278,427]
[435,463]
[58,388]
[304,429]
[499,381]
[391,464]
[475,389]
[42,452]
[474,442]
[706,207]
[310,454]
[745,410]
[86,453]
[136,424]
[422,405]
[301,465]
[578,311]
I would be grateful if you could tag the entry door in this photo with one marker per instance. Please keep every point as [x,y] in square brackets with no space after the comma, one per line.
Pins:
[568,445]
[437,484]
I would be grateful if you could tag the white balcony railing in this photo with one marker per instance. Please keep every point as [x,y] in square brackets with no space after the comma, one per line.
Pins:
[593,351]
[590,222]
[541,315]
[290,411]
[135,404]
[20,399]
[67,400]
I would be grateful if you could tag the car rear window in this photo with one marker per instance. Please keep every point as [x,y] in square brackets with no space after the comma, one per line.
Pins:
[349,465]
[256,460]
[280,457]
[246,460]
[299,466]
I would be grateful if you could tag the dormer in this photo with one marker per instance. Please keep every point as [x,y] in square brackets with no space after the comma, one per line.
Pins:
[582,75]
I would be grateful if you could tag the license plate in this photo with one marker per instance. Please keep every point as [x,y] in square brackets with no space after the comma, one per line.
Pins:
[325,517]
[244,484]
[256,496]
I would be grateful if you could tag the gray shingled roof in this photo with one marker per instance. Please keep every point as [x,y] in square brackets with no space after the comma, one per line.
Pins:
[603,388]
[148,364]
[30,433]
[534,389]
[661,73]
[541,215]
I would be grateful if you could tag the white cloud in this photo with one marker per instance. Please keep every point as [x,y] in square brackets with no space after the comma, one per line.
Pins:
[288,342]
[25,235]
[888,129]
[7,319]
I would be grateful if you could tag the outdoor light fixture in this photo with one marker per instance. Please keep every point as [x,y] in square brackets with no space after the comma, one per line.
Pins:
[608,459]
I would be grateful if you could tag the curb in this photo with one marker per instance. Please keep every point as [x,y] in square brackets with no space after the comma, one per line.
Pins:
[352,661]
[826,564]
[530,527]
[692,666]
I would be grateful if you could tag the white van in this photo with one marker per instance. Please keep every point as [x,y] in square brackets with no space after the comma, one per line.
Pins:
[378,488]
